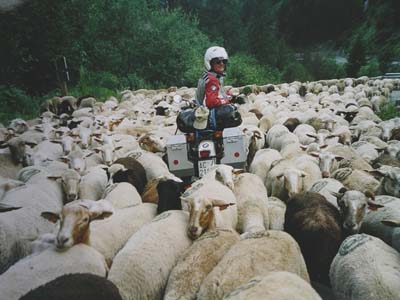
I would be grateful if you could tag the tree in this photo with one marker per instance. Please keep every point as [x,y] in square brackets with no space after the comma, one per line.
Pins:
[356,58]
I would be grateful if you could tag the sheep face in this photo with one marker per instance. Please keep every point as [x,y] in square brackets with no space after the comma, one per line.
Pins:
[74,221]
[201,210]
[353,207]
[327,161]
[152,143]
[292,180]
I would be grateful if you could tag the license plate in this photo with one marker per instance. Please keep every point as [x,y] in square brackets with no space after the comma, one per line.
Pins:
[205,166]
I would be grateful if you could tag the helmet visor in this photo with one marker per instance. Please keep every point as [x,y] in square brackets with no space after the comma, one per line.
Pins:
[219,60]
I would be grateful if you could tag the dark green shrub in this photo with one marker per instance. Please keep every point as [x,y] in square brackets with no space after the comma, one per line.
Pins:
[389,111]
[16,103]
[244,69]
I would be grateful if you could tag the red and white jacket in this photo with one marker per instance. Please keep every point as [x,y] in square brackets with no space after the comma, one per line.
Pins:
[210,90]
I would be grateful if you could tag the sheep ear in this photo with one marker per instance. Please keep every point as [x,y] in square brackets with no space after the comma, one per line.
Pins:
[238,171]
[311,135]
[56,141]
[31,144]
[97,150]
[323,146]
[56,178]
[5,207]
[303,147]
[65,159]
[257,135]
[100,209]
[221,204]
[118,148]
[339,158]
[391,223]
[279,176]
[50,216]
[372,205]
[3,145]
[315,154]
[303,174]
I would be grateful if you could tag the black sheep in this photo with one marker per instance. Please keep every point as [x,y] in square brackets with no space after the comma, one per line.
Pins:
[169,193]
[135,173]
[316,225]
[76,287]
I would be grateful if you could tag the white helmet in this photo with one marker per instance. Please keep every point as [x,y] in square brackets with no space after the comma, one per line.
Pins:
[214,52]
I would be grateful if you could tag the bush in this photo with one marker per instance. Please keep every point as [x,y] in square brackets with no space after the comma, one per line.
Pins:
[244,69]
[16,103]
[389,111]
[295,71]
[371,69]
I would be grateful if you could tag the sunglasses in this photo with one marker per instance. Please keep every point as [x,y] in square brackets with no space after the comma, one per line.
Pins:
[219,61]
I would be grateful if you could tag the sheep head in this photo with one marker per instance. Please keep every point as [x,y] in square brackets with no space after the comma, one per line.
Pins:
[75,218]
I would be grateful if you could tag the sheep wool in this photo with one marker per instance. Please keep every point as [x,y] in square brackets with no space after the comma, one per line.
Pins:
[36,270]
[365,268]
[108,236]
[276,285]
[372,221]
[197,262]
[256,255]
[141,269]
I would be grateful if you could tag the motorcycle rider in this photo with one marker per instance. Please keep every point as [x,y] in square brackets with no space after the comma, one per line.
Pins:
[210,88]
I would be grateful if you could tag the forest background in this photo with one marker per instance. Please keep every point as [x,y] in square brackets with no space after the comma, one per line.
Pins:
[114,45]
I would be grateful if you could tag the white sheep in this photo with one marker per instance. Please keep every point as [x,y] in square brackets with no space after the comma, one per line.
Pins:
[382,223]
[327,186]
[356,179]
[252,203]
[201,258]
[263,161]
[106,236]
[211,205]
[93,183]
[365,268]
[256,255]
[38,269]
[121,195]
[141,269]
[275,285]
[276,213]
[154,166]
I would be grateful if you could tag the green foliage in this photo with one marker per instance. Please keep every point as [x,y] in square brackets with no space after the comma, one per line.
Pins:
[295,71]
[371,69]
[16,103]
[389,111]
[244,69]
[320,64]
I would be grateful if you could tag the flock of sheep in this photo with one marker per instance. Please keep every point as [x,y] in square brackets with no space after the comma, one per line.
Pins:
[90,210]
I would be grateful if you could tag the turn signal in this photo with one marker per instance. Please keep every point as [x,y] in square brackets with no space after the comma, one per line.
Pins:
[218,134]
[190,137]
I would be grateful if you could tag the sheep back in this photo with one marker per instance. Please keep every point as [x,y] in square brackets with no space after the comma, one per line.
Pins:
[197,262]
[108,236]
[276,285]
[77,287]
[312,220]
[365,268]
[372,221]
[256,255]
[41,268]
[141,269]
